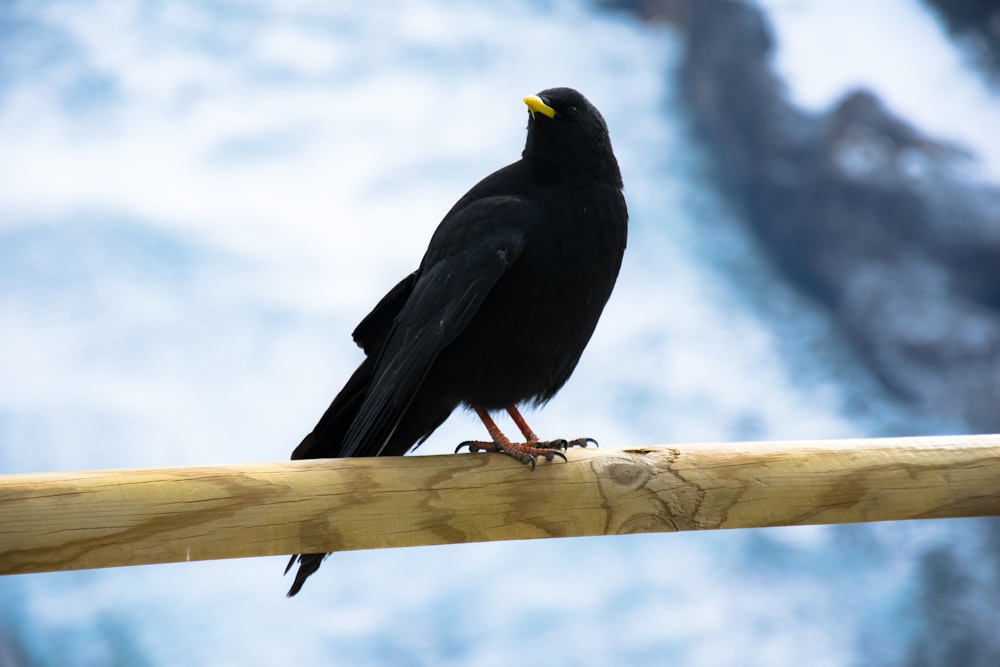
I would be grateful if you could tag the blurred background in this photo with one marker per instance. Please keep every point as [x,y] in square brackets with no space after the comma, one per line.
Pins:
[198,202]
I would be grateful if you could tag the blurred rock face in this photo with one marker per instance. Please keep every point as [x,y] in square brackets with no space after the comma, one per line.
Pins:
[861,211]
[976,25]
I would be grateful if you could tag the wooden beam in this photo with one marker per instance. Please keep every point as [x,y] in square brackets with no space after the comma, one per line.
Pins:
[64,521]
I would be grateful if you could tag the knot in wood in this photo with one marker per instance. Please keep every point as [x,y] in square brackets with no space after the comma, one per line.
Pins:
[628,473]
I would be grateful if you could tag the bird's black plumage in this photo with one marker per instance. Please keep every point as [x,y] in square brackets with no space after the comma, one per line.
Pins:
[503,303]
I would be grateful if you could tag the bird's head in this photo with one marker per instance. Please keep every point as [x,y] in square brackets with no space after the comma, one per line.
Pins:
[567,137]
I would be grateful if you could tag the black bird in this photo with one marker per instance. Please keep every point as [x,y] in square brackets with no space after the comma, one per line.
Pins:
[502,305]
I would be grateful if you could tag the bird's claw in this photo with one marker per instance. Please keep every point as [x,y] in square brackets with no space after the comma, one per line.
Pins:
[531,458]
[552,453]
[582,442]
[476,446]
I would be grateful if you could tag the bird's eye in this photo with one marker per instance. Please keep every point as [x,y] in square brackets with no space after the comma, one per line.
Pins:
[570,111]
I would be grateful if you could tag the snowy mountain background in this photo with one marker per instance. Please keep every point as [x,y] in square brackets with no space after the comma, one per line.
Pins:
[199,201]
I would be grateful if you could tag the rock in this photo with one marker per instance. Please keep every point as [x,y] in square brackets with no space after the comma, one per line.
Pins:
[860,210]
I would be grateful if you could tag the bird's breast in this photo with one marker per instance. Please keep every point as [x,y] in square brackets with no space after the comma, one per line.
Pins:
[531,330]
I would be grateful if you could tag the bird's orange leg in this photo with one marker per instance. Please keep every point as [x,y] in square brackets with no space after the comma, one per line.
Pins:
[515,414]
[525,452]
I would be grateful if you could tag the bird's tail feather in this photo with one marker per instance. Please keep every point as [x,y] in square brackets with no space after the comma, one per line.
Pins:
[326,441]
[308,563]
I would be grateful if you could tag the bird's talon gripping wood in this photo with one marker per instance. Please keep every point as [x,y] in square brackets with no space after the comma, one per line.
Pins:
[535,452]
[552,453]
[476,446]
[541,241]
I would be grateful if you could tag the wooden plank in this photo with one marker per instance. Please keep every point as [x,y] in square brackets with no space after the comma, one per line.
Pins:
[63,521]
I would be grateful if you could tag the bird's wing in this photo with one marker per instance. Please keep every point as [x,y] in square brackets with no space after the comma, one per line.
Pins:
[371,332]
[468,254]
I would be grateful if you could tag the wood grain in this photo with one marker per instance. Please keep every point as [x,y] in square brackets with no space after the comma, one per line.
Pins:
[64,521]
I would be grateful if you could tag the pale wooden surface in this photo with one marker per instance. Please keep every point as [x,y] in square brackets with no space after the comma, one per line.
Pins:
[62,521]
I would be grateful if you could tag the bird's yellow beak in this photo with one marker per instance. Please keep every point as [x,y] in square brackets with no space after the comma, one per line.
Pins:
[536,105]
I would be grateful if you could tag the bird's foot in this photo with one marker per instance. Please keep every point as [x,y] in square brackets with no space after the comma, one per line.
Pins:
[525,452]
